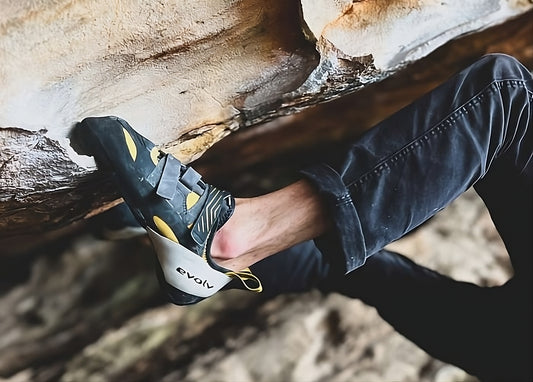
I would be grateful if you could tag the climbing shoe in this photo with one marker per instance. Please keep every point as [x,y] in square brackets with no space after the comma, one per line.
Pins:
[180,212]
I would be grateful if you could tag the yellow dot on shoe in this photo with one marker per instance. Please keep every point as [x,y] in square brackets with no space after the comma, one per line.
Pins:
[154,155]
[165,229]
[192,199]
[130,143]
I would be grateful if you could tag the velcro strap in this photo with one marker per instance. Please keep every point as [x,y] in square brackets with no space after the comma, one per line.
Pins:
[185,270]
[169,178]
[155,175]
[191,179]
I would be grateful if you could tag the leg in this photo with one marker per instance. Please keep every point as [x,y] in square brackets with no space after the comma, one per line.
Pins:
[401,172]
[300,268]
[485,331]
[472,129]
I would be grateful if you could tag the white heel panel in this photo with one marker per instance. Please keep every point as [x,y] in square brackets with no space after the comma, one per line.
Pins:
[185,270]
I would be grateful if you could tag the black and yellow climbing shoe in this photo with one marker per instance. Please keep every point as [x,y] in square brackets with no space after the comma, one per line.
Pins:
[180,212]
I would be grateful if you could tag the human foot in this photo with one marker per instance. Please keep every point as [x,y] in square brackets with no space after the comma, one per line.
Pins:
[180,212]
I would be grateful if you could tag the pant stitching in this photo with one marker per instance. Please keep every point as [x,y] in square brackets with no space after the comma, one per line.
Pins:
[438,128]
[343,200]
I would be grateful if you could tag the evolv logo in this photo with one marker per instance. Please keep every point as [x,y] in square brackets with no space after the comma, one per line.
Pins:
[197,280]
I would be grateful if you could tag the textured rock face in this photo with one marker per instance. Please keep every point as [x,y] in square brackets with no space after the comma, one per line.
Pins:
[174,67]
[186,74]
[397,32]
[169,67]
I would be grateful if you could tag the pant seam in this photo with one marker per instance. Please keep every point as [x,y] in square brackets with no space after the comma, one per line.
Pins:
[438,128]
[343,200]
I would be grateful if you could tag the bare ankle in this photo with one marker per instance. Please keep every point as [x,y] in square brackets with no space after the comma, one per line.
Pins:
[244,239]
[265,225]
[230,241]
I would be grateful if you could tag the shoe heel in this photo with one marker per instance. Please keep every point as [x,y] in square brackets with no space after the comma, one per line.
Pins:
[175,295]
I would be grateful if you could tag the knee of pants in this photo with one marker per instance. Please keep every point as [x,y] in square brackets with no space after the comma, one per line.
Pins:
[502,67]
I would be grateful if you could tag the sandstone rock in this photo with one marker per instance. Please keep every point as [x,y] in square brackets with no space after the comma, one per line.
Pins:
[186,75]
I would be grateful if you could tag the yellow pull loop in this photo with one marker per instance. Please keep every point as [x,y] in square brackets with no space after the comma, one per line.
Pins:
[248,279]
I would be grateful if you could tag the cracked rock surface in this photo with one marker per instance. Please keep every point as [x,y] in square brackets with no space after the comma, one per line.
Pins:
[187,74]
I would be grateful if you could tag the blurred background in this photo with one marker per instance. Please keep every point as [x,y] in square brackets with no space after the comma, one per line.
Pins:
[74,307]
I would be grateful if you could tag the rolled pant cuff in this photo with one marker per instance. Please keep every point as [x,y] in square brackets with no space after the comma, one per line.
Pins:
[346,236]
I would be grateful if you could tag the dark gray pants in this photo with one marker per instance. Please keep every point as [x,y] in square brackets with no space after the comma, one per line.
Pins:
[475,129]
